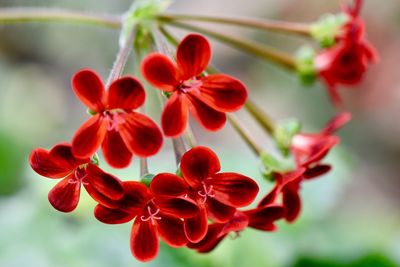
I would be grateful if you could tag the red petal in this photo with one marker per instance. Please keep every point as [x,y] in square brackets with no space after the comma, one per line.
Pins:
[101,198]
[177,207]
[144,241]
[237,223]
[336,123]
[223,93]
[89,88]
[106,184]
[115,151]
[265,217]
[64,196]
[218,211]
[193,55]
[233,189]
[112,216]
[207,116]
[160,71]
[135,198]
[175,115]
[292,203]
[198,164]
[126,93]
[166,184]
[317,171]
[140,134]
[211,240]
[171,231]
[89,137]
[48,165]
[196,228]
[270,197]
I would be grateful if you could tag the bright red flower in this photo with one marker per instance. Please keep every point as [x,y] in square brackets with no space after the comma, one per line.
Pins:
[310,148]
[346,62]
[158,211]
[217,194]
[206,97]
[120,131]
[60,163]
[263,219]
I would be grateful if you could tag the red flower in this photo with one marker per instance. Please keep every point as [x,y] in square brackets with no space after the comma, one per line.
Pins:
[217,194]
[158,211]
[346,62]
[206,97]
[260,218]
[120,130]
[60,163]
[310,149]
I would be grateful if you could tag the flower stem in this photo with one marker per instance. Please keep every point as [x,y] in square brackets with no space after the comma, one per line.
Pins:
[264,52]
[262,24]
[31,14]
[144,167]
[244,134]
[261,117]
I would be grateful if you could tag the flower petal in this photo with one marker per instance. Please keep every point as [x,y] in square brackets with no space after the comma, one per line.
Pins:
[100,198]
[48,165]
[174,117]
[135,198]
[112,216]
[89,137]
[233,189]
[336,123]
[126,93]
[104,183]
[160,72]
[270,197]
[198,164]
[140,134]
[193,56]
[207,116]
[223,93]
[144,242]
[218,211]
[64,196]
[89,88]
[264,218]
[211,240]
[170,229]
[292,202]
[178,207]
[166,184]
[196,228]
[115,151]
[317,171]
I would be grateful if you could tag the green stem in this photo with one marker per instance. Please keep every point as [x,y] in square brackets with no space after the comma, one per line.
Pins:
[31,14]
[262,24]
[264,52]
[244,134]
[261,117]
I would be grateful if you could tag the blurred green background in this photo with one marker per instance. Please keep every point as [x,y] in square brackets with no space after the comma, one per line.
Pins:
[351,217]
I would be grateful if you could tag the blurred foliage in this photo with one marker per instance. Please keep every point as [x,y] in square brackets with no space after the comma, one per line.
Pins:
[372,260]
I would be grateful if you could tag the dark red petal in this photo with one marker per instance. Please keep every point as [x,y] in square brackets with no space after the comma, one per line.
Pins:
[89,88]
[337,122]
[166,184]
[106,184]
[101,198]
[160,72]
[233,189]
[177,207]
[211,240]
[63,154]
[237,223]
[144,241]
[126,93]
[64,196]
[175,115]
[196,228]
[317,171]
[115,151]
[140,134]
[89,137]
[292,203]
[47,165]
[264,218]
[112,216]
[136,196]
[198,164]
[193,55]
[223,93]
[270,197]
[285,178]
[170,229]
[207,116]
[218,211]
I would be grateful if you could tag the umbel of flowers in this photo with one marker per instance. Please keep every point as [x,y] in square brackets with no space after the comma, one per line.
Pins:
[197,205]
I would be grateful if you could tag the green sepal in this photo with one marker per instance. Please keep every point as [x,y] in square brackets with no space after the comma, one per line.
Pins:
[271,165]
[284,133]
[91,112]
[305,65]
[327,28]
[95,159]
[179,173]
[166,94]
[146,179]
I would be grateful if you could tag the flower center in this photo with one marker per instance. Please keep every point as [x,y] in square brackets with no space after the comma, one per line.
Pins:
[114,119]
[151,215]
[205,192]
[80,175]
[190,85]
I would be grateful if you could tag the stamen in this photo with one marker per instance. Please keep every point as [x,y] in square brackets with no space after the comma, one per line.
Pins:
[152,216]
[206,192]
[114,120]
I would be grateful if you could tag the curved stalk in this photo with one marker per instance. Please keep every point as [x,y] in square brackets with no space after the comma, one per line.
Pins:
[261,117]
[237,126]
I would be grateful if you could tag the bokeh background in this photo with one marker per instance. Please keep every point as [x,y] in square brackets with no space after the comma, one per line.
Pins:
[351,217]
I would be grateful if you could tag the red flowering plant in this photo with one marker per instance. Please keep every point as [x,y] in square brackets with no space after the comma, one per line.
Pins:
[199,205]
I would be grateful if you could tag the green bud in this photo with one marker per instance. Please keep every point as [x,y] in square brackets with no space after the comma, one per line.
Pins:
[284,133]
[91,112]
[270,165]
[305,65]
[327,28]
[147,178]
